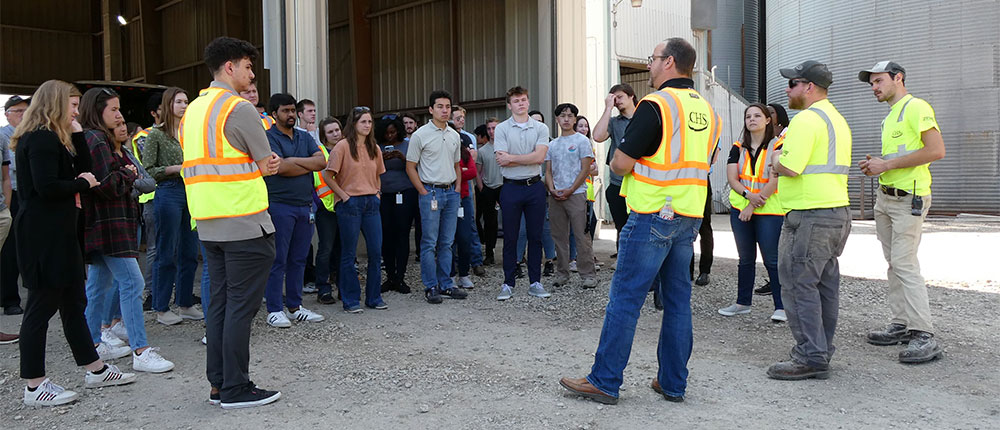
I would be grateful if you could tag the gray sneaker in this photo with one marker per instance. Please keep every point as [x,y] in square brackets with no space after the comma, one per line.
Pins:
[590,283]
[890,335]
[560,280]
[505,292]
[922,348]
[538,290]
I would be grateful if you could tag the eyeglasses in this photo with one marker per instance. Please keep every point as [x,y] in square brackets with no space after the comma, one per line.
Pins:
[361,109]
[649,59]
[390,116]
[793,82]
[15,110]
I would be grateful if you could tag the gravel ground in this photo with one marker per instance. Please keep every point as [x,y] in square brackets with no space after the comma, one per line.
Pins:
[480,363]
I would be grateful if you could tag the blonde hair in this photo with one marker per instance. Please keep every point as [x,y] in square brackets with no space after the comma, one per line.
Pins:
[49,110]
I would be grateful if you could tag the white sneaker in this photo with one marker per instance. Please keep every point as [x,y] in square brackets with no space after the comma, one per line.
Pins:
[191,313]
[304,314]
[118,329]
[505,292]
[168,318]
[779,316]
[277,319]
[734,309]
[572,266]
[110,376]
[464,282]
[151,361]
[109,338]
[309,288]
[107,352]
[204,340]
[48,394]
[538,290]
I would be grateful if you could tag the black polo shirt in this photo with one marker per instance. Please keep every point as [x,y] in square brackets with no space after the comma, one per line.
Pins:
[644,133]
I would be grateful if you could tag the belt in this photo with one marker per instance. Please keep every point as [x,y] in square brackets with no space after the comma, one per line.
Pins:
[442,186]
[893,191]
[532,180]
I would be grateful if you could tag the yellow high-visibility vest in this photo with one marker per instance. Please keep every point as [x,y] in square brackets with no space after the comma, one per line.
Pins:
[817,144]
[679,168]
[323,191]
[142,134]
[756,178]
[220,181]
[902,135]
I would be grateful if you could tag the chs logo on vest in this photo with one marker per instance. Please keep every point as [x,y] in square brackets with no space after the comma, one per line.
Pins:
[896,134]
[697,121]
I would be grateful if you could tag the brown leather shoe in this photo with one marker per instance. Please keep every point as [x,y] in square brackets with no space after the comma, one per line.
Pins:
[793,371]
[655,385]
[8,338]
[583,387]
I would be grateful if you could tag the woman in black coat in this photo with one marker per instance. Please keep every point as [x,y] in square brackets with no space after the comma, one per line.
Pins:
[54,164]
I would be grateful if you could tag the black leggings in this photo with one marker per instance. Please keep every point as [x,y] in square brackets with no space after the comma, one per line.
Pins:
[70,302]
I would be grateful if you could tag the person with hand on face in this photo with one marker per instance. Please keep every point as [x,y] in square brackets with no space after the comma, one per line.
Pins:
[110,227]
[520,146]
[354,174]
[911,140]
[328,249]
[620,97]
[55,169]
[567,165]
[228,198]
[756,215]
[290,196]
[433,164]
[813,164]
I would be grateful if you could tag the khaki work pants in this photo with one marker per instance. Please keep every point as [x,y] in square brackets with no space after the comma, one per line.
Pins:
[566,214]
[899,232]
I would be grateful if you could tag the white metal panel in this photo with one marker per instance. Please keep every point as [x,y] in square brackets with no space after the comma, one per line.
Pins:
[951,51]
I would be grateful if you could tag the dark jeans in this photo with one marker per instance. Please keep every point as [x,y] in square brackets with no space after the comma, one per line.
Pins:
[70,302]
[396,221]
[238,274]
[360,215]
[518,200]
[328,251]
[811,241]
[176,247]
[761,231]
[707,239]
[9,273]
[292,236]
[619,212]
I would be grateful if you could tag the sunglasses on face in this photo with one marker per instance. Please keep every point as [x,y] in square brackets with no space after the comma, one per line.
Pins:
[793,82]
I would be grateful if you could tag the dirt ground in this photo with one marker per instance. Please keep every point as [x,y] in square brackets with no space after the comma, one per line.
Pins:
[481,363]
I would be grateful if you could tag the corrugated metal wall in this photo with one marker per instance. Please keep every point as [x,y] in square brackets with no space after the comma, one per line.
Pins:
[342,90]
[951,51]
[735,47]
[640,29]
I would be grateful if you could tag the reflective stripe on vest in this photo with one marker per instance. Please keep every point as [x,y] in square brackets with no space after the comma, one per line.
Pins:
[755,181]
[323,191]
[220,181]
[831,165]
[901,149]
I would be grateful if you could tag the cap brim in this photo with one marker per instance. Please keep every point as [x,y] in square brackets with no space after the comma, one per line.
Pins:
[790,73]
[864,75]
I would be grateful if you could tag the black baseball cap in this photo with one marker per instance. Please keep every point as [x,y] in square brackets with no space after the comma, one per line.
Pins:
[812,71]
[881,67]
[15,100]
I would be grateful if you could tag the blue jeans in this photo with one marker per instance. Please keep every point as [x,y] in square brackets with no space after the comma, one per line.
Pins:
[464,234]
[292,235]
[360,215]
[176,247]
[763,231]
[328,251]
[438,228]
[470,213]
[548,245]
[206,283]
[651,249]
[128,277]
[526,201]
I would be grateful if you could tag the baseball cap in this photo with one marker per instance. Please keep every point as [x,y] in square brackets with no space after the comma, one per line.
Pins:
[14,100]
[812,71]
[881,67]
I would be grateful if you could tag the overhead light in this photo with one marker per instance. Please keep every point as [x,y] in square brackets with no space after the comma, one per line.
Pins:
[636,3]
[123,21]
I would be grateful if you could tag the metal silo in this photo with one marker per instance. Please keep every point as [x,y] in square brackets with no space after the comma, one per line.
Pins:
[951,51]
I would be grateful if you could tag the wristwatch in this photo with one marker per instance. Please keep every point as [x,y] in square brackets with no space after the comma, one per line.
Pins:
[744,193]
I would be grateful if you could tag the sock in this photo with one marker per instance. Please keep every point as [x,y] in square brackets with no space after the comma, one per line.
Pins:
[32,389]
[101,371]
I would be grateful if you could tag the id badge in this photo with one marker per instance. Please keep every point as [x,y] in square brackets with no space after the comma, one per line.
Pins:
[434,204]
[461,212]
[399,199]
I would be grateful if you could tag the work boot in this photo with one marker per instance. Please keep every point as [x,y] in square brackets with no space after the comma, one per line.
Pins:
[702,279]
[892,334]
[922,348]
[794,371]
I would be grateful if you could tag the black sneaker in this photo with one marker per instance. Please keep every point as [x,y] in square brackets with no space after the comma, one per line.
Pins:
[433,296]
[403,287]
[519,271]
[251,396]
[326,299]
[702,279]
[890,335]
[147,305]
[388,285]
[214,398]
[550,268]
[196,300]
[488,261]
[479,271]
[763,290]
[13,310]
[455,293]
[657,302]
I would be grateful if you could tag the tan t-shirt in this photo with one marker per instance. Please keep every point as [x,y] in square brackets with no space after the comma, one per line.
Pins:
[357,177]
